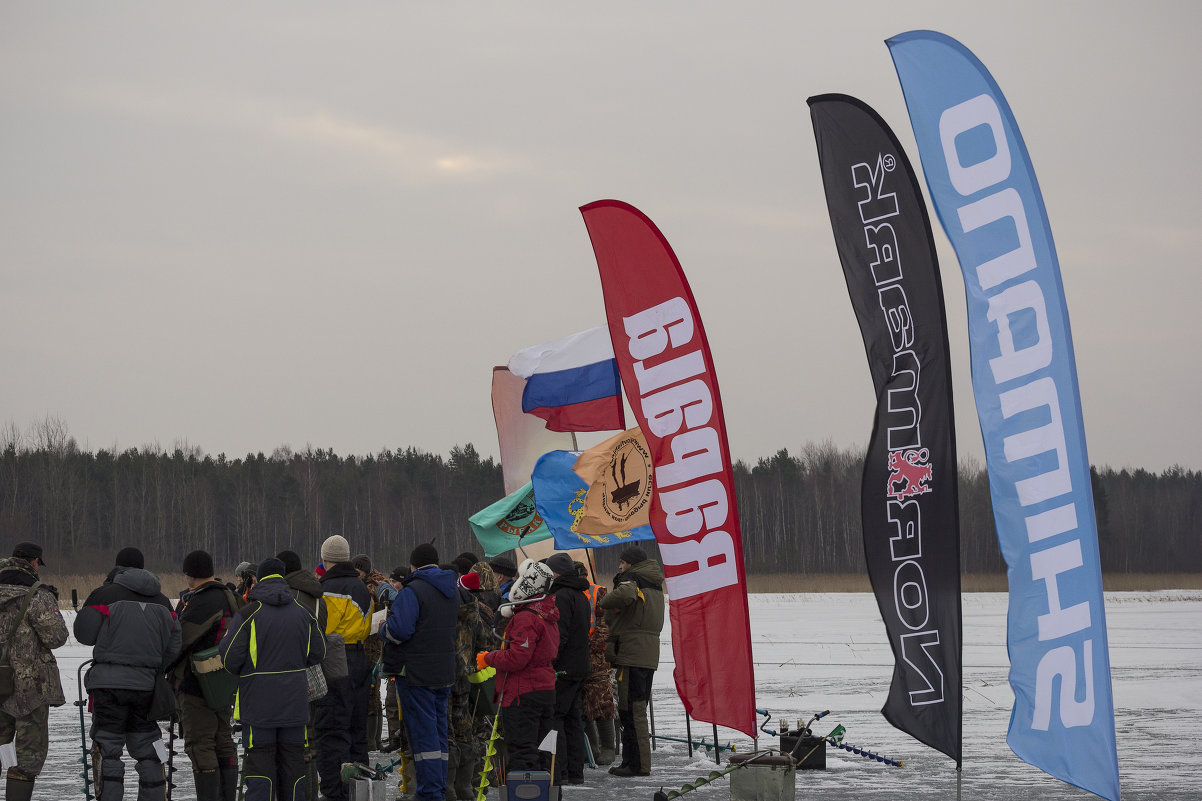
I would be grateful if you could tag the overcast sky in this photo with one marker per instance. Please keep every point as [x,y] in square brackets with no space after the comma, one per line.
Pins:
[251,225]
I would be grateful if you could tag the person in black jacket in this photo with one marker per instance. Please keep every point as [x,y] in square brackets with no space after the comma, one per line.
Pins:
[271,641]
[135,634]
[204,614]
[571,666]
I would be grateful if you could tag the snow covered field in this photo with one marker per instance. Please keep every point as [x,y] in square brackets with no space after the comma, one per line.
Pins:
[827,651]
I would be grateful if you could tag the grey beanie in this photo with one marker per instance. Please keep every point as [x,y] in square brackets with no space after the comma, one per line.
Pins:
[335,549]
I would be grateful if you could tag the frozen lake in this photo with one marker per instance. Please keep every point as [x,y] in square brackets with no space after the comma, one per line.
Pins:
[827,651]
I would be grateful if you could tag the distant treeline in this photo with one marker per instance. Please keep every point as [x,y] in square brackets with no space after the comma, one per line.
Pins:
[800,513]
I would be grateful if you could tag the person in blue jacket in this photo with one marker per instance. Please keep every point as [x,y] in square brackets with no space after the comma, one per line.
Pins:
[420,649]
[269,644]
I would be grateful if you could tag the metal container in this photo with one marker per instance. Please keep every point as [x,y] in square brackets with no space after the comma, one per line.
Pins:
[767,777]
[367,790]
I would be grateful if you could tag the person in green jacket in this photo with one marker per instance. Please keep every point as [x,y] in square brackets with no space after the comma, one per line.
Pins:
[634,609]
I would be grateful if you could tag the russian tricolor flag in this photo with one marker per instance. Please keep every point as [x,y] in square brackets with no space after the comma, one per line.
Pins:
[573,382]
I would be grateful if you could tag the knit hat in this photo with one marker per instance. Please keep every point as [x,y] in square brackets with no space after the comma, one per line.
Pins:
[503,567]
[470,581]
[424,554]
[633,555]
[561,564]
[581,569]
[245,569]
[198,564]
[291,560]
[462,564]
[469,556]
[533,580]
[335,549]
[361,562]
[131,557]
[271,567]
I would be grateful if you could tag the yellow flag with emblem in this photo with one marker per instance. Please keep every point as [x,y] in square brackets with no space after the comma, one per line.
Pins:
[620,479]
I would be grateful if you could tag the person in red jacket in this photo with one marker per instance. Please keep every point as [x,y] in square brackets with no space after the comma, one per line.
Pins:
[525,678]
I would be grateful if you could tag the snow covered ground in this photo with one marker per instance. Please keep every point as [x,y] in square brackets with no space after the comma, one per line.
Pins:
[827,651]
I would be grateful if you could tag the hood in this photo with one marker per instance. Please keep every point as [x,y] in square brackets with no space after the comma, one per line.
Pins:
[488,579]
[135,579]
[571,582]
[468,606]
[17,572]
[274,591]
[339,570]
[305,581]
[647,574]
[445,581]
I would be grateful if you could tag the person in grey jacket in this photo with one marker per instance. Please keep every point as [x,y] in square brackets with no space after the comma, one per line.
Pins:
[135,636]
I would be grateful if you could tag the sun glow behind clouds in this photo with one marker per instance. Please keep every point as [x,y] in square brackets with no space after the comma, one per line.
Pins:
[411,157]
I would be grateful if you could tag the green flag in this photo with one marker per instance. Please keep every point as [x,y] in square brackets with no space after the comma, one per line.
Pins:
[498,527]
[837,734]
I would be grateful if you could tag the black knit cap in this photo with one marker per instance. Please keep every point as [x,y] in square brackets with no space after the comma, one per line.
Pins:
[561,563]
[424,554]
[633,555]
[198,564]
[361,562]
[462,565]
[270,567]
[504,567]
[131,557]
[291,560]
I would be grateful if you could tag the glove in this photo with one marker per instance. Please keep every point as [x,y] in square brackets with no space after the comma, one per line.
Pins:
[482,660]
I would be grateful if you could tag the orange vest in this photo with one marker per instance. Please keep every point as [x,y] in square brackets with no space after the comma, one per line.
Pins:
[591,594]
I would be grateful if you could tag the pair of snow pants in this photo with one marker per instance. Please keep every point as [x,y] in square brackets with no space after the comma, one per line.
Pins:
[424,711]
[274,769]
[121,720]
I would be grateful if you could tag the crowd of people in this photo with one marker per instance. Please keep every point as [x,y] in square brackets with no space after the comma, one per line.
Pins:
[306,665]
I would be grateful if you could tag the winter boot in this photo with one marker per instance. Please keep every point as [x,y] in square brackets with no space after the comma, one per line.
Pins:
[607,752]
[208,785]
[18,785]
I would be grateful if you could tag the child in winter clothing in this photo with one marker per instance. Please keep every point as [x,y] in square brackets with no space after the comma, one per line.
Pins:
[525,678]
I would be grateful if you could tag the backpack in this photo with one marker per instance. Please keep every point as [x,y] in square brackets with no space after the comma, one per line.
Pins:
[8,679]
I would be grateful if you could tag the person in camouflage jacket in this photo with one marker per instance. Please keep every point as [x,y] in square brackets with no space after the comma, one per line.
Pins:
[473,634]
[24,715]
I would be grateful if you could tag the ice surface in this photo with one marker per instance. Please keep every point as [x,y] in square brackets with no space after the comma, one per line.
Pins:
[828,651]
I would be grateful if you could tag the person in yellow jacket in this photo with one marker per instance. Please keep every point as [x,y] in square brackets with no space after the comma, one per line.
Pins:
[341,717]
